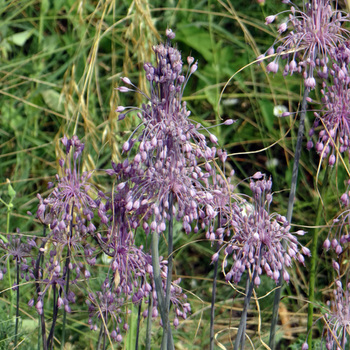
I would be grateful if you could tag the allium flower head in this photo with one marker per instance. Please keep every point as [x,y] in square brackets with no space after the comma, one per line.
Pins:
[311,34]
[256,241]
[337,318]
[71,195]
[338,235]
[14,248]
[170,147]
[334,116]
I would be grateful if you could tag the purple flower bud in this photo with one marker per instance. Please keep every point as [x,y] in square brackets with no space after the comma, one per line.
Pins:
[269,19]
[126,81]
[272,67]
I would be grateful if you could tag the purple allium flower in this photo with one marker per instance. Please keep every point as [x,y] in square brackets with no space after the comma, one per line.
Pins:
[108,305]
[71,195]
[334,116]
[338,234]
[338,317]
[169,147]
[312,34]
[257,237]
[18,251]
[130,265]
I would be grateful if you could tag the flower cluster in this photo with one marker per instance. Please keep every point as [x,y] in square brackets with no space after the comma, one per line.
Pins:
[311,35]
[335,112]
[169,146]
[68,212]
[70,202]
[260,240]
[18,251]
[337,318]
[337,240]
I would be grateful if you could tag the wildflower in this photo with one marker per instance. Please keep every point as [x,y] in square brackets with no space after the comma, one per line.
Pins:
[334,116]
[257,237]
[279,110]
[19,251]
[68,211]
[313,33]
[336,240]
[71,195]
[337,318]
[170,145]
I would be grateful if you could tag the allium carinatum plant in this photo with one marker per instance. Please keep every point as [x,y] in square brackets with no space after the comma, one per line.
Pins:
[260,241]
[307,38]
[169,144]
[170,166]
[334,116]
[336,318]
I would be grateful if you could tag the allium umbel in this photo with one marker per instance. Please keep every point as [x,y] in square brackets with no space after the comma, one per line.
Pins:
[71,194]
[170,147]
[256,241]
[334,116]
[310,36]
[337,318]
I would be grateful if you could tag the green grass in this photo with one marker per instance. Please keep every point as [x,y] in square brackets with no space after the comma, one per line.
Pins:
[60,64]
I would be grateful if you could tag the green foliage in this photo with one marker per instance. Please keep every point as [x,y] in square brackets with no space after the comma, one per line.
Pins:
[60,62]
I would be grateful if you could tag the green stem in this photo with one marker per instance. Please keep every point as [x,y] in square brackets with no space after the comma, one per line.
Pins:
[38,289]
[293,187]
[17,303]
[66,276]
[315,234]
[158,284]
[149,322]
[170,341]
[138,326]
[242,324]
[213,295]
[9,207]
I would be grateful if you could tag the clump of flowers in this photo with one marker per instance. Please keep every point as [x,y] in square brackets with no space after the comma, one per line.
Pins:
[337,240]
[169,145]
[260,240]
[337,317]
[334,116]
[311,34]
[14,248]
[70,199]
[130,266]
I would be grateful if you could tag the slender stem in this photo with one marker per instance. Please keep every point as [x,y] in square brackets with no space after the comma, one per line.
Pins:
[38,289]
[245,317]
[8,260]
[313,262]
[149,322]
[212,309]
[293,187]
[170,340]
[98,345]
[54,318]
[17,302]
[138,326]
[158,283]
[66,275]
[213,295]
[242,324]
[67,290]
